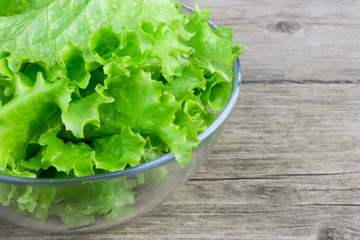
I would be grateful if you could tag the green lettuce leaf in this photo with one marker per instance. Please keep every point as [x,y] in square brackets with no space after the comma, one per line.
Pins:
[84,111]
[24,116]
[114,153]
[216,45]
[184,86]
[66,157]
[9,8]
[217,91]
[141,104]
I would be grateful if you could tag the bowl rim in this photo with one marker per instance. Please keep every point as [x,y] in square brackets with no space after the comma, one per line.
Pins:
[150,164]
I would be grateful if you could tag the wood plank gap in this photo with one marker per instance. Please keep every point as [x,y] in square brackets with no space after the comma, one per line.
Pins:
[277,176]
[301,82]
[325,205]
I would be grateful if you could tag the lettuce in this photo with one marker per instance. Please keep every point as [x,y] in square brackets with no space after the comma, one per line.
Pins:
[92,86]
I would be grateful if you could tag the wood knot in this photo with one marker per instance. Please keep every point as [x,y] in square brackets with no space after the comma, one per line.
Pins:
[330,234]
[287,27]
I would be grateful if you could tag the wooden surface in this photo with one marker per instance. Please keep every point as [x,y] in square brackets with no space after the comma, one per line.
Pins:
[288,163]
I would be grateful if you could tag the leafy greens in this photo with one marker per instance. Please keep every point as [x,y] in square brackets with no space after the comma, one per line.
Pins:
[90,86]
[74,75]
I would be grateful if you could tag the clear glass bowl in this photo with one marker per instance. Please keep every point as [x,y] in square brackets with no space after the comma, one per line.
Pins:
[125,195]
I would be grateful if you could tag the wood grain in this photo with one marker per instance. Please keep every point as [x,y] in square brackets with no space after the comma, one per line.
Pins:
[286,167]
[290,129]
[288,163]
[292,40]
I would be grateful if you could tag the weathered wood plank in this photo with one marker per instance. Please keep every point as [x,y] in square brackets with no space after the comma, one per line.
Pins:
[279,130]
[287,167]
[243,217]
[284,224]
[294,41]
[288,164]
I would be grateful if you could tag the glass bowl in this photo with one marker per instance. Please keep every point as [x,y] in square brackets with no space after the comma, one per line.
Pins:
[116,197]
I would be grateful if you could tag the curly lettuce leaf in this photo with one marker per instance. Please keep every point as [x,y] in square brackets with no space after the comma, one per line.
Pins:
[65,157]
[217,91]
[7,192]
[216,46]
[184,86]
[84,111]
[141,104]
[114,153]
[77,205]
[76,69]
[21,118]
[40,34]
[153,148]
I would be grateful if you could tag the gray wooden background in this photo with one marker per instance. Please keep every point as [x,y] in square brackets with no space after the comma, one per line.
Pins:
[288,163]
